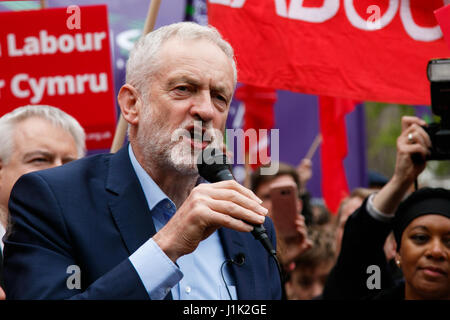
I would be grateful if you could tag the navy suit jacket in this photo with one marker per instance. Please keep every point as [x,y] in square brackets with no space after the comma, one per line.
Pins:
[1,267]
[93,213]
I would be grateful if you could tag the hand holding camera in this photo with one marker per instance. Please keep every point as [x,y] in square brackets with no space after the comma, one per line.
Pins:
[413,148]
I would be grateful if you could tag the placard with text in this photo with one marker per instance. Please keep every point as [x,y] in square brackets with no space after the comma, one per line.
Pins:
[60,57]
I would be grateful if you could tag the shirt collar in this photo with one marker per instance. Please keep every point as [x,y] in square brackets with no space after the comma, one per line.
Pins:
[2,233]
[152,191]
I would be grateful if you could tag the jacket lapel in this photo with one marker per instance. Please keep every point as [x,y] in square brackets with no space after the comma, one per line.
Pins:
[1,266]
[127,202]
[233,243]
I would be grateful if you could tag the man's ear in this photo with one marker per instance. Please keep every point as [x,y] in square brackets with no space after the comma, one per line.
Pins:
[130,103]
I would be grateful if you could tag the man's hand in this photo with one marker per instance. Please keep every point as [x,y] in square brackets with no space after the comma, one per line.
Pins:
[412,141]
[207,208]
[2,294]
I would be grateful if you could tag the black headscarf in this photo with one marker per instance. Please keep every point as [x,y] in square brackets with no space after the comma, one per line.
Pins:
[421,202]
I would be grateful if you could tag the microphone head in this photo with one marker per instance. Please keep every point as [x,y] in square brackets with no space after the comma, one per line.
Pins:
[210,163]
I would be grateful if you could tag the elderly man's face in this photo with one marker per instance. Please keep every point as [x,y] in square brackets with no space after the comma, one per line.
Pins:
[194,83]
[37,145]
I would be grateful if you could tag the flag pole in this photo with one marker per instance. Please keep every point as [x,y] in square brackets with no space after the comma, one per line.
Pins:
[43,4]
[121,129]
[313,147]
[301,166]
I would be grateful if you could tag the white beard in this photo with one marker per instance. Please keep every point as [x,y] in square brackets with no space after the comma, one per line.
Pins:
[183,157]
[166,149]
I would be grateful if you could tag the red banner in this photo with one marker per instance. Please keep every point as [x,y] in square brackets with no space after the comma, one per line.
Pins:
[259,114]
[443,17]
[60,57]
[334,149]
[374,50]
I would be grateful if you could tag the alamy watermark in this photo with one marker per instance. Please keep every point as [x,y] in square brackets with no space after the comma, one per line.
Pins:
[374,21]
[374,280]
[74,20]
[74,280]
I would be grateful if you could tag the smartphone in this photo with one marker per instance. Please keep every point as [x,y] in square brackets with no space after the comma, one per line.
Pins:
[284,198]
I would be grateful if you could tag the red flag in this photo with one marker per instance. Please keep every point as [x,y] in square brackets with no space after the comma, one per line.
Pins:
[332,113]
[443,17]
[258,115]
[334,48]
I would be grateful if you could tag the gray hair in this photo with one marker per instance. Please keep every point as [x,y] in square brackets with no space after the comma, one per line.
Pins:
[54,115]
[143,59]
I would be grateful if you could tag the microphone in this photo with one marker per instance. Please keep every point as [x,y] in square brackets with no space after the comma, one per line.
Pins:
[212,166]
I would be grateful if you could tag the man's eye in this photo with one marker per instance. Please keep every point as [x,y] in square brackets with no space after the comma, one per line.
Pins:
[221,102]
[182,88]
[221,98]
[38,161]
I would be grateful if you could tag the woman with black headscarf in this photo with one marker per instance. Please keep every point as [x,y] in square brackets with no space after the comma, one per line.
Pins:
[422,232]
[421,226]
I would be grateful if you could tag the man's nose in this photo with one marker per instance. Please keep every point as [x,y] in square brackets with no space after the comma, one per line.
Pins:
[203,107]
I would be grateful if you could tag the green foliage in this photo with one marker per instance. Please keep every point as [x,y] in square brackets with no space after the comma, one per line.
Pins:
[441,168]
[383,125]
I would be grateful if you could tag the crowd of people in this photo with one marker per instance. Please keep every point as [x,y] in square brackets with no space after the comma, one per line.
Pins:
[142,224]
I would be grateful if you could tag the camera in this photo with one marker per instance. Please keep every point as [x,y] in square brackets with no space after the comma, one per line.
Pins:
[438,71]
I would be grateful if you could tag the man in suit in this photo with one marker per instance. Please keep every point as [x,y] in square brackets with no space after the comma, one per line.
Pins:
[135,224]
[34,138]
[2,293]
